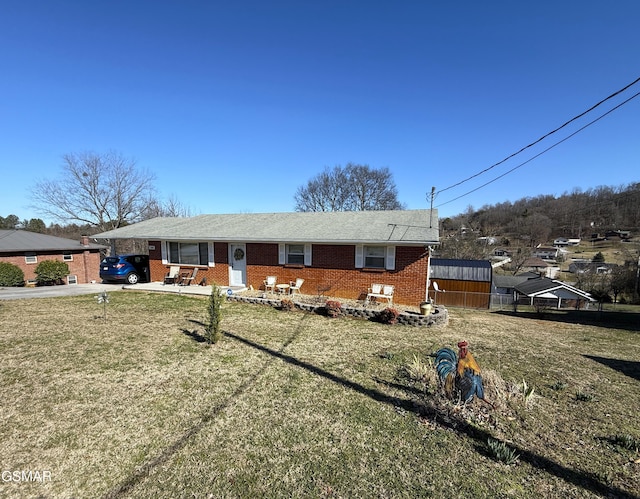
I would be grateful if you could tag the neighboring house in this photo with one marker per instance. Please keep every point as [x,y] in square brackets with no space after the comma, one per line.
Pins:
[463,283]
[339,254]
[561,242]
[545,252]
[540,267]
[501,252]
[545,291]
[584,267]
[27,249]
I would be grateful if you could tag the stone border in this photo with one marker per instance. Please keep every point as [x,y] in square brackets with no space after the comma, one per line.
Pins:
[439,316]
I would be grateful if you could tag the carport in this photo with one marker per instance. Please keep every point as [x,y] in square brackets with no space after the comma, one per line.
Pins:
[543,290]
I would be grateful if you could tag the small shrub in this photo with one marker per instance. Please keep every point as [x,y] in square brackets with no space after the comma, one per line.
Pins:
[627,442]
[502,452]
[583,396]
[11,275]
[527,392]
[558,386]
[214,309]
[417,370]
[51,272]
[286,305]
[333,308]
[388,316]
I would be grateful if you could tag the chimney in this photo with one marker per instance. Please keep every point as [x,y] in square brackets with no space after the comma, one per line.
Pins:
[84,240]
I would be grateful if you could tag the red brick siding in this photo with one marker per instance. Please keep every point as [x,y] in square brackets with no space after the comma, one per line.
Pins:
[332,273]
[85,264]
[218,274]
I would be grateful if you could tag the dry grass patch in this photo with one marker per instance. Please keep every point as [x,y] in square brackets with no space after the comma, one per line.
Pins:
[295,404]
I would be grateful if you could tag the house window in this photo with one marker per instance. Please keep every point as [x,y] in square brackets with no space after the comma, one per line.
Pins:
[30,258]
[72,279]
[189,253]
[295,254]
[374,257]
[67,257]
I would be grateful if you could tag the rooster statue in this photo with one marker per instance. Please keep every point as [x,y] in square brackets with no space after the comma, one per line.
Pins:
[460,373]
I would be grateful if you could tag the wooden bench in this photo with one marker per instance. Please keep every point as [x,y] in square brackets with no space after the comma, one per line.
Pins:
[380,291]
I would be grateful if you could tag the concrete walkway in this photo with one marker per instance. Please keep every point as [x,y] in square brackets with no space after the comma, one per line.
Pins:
[10,293]
[159,287]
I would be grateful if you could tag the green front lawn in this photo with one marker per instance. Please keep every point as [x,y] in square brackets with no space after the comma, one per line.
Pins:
[292,404]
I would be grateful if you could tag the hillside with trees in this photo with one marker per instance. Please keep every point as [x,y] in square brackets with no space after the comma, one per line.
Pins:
[606,221]
[531,221]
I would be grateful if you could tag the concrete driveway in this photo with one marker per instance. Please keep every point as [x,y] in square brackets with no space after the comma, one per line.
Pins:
[53,291]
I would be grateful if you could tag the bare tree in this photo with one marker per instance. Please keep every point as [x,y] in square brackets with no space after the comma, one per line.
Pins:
[170,207]
[105,191]
[352,188]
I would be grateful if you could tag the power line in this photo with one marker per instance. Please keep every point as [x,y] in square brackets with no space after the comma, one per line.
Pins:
[539,154]
[540,139]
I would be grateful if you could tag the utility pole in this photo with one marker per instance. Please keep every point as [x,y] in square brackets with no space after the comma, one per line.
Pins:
[432,197]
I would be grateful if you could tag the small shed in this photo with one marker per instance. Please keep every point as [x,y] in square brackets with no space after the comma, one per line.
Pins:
[461,283]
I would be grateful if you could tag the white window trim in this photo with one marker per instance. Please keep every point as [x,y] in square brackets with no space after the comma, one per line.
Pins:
[67,257]
[34,258]
[389,258]
[282,254]
[164,250]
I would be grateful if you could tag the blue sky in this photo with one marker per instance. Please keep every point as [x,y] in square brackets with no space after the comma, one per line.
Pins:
[234,105]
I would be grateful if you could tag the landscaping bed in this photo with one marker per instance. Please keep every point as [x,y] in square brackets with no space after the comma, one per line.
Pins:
[408,316]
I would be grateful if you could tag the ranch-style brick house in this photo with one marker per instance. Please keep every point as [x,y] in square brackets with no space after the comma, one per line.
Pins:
[338,254]
[27,249]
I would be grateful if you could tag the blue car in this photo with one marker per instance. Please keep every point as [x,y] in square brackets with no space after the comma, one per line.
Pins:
[129,269]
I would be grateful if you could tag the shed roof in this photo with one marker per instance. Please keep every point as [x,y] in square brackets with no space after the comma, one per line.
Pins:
[23,240]
[411,227]
[461,270]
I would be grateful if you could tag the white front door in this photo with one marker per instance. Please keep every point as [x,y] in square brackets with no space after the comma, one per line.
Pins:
[237,265]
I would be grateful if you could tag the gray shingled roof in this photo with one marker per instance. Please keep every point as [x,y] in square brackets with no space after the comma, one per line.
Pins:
[400,226]
[543,286]
[23,240]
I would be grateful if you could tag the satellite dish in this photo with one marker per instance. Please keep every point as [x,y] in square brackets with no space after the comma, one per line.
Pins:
[435,286]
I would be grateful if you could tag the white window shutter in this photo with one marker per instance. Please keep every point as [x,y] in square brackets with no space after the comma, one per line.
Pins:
[359,256]
[163,250]
[391,258]
[307,255]
[282,254]
[211,259]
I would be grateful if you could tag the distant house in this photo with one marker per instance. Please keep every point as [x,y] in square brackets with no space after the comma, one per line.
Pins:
[545,291]
[462,283]
[622,234]
[545,252]
[540,267]
[563,242]
[589,267]
[26,249]
[339,254]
